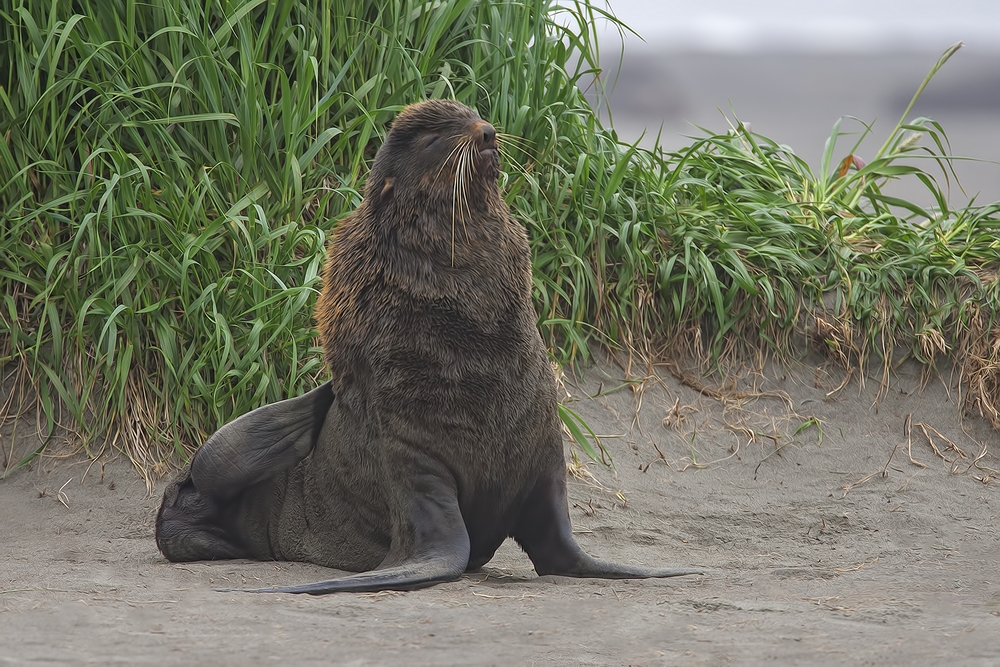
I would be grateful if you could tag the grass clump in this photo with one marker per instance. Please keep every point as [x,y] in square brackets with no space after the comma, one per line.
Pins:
[170,171]
[756,247]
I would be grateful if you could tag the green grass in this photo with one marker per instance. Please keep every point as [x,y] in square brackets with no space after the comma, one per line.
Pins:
[170,171]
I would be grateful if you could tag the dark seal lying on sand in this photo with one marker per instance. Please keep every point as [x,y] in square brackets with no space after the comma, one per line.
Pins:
[438,435]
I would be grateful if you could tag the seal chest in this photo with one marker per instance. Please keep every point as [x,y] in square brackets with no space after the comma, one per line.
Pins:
[437,436]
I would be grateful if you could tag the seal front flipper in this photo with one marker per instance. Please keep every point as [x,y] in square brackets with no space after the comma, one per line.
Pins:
[260,444]
[430,545]
[546,535]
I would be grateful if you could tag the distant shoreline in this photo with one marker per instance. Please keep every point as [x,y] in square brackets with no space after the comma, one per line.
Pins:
[795,99]
[787,26]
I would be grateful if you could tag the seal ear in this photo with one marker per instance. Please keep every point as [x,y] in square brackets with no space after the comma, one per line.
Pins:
[387,186]
[260,444]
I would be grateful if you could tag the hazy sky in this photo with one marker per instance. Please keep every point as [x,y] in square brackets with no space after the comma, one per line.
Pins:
[812,25]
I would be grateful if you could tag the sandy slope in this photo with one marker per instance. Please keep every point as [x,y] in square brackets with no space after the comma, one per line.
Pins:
[802,567]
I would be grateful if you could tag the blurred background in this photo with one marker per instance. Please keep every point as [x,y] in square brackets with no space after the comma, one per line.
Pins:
[791,68]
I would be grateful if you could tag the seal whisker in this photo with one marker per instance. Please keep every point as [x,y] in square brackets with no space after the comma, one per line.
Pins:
[455,184]
[521,169]
[447,160]
[510,159]
[525,146]
[464,165]
[466,180]
[521,142]
[455,153]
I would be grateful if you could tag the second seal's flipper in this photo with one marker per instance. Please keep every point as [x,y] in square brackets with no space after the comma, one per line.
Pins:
[430,546]
[546,535]
[260,444]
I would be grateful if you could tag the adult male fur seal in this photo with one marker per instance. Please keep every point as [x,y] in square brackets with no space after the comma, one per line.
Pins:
[438,435]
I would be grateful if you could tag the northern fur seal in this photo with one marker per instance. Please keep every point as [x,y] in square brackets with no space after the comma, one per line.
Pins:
[438,435]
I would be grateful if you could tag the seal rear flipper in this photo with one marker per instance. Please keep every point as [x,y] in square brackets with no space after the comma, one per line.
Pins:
[260,444]
[430,545]
[546,535]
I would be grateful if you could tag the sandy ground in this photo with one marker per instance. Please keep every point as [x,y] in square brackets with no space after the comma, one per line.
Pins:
[818,549]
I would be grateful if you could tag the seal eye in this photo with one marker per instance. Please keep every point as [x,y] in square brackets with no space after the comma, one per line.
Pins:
[431,140]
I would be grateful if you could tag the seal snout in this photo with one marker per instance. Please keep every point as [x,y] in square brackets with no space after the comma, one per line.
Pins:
[485,135]
[489,134]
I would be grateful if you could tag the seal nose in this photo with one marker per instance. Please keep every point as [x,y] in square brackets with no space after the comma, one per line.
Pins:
[489,135]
